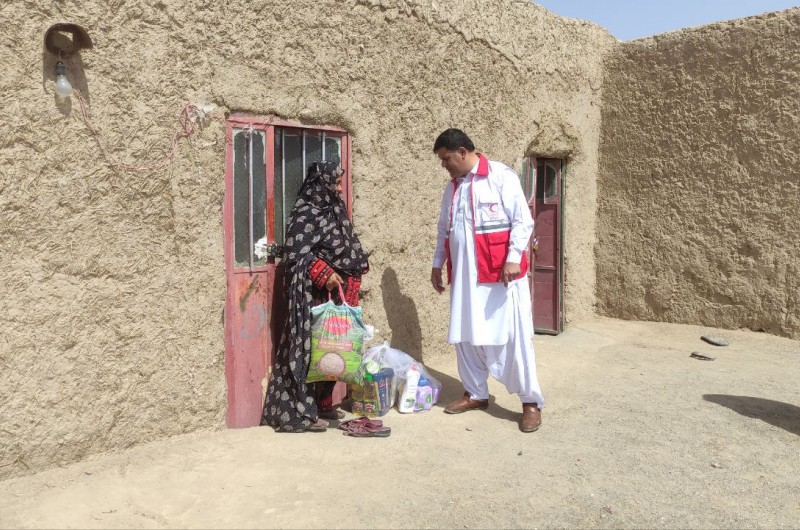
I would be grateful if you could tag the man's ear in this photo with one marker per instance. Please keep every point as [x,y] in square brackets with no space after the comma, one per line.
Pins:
[462,151]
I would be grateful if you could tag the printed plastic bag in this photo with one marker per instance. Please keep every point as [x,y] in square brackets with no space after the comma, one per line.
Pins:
[337,342]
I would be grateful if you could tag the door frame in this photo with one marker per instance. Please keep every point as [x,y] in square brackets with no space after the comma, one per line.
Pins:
[240,408]
[530,182]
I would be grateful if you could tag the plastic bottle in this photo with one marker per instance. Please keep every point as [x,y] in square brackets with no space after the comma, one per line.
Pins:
[373,398]
[408,397]
[366,401]
[424,400]
[383,387]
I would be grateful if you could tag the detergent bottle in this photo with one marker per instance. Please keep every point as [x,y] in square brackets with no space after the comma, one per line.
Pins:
[408,392]
[424,401]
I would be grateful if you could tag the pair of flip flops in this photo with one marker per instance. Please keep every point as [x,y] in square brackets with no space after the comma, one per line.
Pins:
[364,427]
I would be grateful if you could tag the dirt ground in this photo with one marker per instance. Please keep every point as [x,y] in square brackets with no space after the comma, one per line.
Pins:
[635,434]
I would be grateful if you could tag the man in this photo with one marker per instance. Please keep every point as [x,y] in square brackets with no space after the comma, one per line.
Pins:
[483,234]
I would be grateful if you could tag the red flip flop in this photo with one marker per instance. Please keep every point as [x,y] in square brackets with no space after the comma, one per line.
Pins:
[365,428]
[363,420]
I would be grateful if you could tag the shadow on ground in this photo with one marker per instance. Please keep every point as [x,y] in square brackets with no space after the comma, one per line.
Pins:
[407,332]
[776,413]
[407,336]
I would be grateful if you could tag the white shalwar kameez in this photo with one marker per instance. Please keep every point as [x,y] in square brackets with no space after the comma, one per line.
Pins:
[491,325]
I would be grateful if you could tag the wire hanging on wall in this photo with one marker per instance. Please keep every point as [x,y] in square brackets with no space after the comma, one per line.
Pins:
[189,116]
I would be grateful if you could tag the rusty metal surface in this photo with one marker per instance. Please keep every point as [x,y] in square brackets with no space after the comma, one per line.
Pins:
[59,44]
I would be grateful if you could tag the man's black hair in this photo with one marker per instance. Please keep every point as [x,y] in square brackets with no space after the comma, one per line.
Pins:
[452,139]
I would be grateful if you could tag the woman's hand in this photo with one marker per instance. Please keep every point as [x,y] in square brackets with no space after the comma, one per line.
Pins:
[333,282]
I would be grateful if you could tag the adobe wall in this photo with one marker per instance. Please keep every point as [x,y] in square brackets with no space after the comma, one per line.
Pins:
[699,186]
[112,283]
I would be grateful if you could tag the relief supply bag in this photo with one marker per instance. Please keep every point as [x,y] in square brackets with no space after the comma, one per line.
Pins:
[417,395]
[337,342]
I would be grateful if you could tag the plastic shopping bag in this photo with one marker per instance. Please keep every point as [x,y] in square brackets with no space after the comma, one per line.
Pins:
[337,342]
[415,388]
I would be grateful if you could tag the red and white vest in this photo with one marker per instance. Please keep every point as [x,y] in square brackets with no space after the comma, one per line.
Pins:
[491,226]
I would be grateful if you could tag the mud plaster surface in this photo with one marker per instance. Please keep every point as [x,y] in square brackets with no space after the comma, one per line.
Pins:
[699,184]
[113,283]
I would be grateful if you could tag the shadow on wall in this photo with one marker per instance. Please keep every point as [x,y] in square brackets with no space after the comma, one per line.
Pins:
[776,413]
[401,312]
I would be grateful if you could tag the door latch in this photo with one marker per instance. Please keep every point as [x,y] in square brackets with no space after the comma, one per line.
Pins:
[274,250]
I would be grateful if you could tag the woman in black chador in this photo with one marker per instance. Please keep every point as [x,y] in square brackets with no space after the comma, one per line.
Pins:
[322,252]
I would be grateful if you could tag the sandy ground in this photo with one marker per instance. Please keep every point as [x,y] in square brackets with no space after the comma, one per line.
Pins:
[635,434]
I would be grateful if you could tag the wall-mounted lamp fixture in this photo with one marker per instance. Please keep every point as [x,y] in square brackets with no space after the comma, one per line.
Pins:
[63,86]
[64,40]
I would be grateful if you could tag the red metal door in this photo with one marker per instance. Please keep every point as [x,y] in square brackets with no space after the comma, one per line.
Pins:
[546,276]
[265,165]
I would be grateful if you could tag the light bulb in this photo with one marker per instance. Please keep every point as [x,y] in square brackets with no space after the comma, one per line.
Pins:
[63,88]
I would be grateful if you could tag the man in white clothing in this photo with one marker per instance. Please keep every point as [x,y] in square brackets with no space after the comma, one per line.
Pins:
[483,234]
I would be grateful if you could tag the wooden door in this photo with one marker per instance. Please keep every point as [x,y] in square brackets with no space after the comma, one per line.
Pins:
[266,162]
[543,176]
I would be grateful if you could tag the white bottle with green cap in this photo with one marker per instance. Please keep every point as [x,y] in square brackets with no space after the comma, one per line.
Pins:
[408,396]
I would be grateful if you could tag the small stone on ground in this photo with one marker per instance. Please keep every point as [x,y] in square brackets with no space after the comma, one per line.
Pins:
[716,340]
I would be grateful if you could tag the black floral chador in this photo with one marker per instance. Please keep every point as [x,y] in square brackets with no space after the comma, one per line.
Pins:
[319,241]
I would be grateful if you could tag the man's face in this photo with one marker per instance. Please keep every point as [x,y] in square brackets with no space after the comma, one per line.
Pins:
[454,161]
[339,184]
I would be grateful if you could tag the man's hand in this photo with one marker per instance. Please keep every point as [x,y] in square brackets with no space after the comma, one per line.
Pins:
[333,282]
[510,273]
[436,280]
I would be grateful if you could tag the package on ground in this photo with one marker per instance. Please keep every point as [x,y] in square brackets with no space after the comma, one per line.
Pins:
[416,389]
[337,341]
